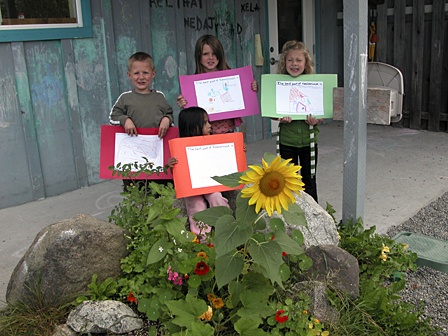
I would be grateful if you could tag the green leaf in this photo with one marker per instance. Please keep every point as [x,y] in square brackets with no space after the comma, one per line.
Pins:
[176,228]
[194,281]
[186,311]
[269,256]
[202,329]
[211,215]
[231,180]
[297,236]
[158,251]
[305,262]
[277,224]
[285,272]
[245,213]
[294,215]
[235,289]
[228,267]
[257,283]
[254,306]
[245,325]
[269,157]
[229,235]
[287,244]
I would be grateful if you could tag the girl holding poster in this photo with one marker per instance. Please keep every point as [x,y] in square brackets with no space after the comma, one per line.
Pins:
[209,57]
[193,121]
[298,138]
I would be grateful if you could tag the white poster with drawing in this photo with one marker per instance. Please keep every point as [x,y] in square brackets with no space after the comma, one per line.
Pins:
[218,95]
[130,149]
[299,98]
[220,160]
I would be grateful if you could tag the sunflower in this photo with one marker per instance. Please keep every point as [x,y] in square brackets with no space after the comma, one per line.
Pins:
[272,186]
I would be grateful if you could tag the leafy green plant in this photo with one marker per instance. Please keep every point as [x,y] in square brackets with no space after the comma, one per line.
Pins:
[230,283]
[98,291]
[379,309]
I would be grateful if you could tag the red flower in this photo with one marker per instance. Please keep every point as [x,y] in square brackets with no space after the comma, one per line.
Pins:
[201,268]
[131,298]
[284,254]
[211,245]
[272,237]
[279,318]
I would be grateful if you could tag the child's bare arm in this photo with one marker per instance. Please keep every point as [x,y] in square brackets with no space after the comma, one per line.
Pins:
[163,127]
[129,127]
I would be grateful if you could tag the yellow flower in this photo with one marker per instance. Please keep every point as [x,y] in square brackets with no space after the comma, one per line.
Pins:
[316,321]
[272,186]
[383,256]
[207,316]
[202,255]
[217,303]
[385,249]
[405,246]
[325,333]
[304,312]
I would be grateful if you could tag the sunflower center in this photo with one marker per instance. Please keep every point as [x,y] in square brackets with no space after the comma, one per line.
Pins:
[272,184]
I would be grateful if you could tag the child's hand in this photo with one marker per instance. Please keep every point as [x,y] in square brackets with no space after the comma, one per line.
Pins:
[285,120]
[181,101]
[163,127]
[310,120]
[171,162]
[129,127]
[254,86]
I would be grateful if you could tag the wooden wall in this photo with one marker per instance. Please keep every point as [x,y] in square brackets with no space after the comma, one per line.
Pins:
[413,36]
[56,94]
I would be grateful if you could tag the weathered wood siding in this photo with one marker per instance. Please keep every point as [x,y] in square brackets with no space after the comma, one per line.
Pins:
[413,36]
[56,94]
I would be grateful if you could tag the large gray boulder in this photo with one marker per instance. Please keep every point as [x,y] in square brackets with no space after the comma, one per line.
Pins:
[321,228]
[335,267]
[64,256]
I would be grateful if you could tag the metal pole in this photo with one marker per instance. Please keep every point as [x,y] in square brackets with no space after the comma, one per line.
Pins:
[355,100]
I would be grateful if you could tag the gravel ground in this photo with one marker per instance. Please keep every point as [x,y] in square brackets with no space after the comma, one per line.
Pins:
[428,285]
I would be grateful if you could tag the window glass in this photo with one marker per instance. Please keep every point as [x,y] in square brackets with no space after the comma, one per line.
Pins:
[32,12]
[26,20]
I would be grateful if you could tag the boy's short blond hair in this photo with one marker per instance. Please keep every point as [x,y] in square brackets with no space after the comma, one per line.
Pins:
[140,56]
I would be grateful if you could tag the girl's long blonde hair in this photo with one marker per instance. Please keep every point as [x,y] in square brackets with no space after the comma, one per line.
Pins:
[295,45]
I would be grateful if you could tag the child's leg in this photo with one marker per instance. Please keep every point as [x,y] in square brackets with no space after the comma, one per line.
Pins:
[216,199]
[195,204]
[305,171]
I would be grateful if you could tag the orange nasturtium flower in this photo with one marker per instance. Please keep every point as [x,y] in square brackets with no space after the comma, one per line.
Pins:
[217,303]
[207,316]
[202,255]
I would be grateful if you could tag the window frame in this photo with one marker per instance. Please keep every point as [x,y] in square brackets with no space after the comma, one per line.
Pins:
[39,32]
